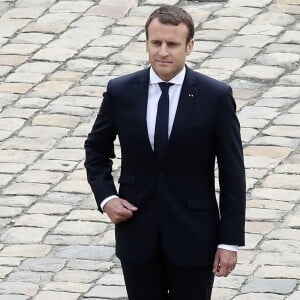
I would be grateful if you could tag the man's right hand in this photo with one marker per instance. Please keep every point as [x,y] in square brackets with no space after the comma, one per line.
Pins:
[119,210]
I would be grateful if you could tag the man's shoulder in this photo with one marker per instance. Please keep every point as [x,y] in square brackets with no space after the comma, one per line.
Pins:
[207,81]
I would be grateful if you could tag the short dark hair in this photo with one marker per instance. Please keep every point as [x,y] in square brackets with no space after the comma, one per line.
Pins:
[174,15]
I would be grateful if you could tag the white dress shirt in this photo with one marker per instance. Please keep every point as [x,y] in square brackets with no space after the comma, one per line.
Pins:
[154,93]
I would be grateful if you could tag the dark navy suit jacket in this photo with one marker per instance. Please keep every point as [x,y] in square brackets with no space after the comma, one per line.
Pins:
[176,200]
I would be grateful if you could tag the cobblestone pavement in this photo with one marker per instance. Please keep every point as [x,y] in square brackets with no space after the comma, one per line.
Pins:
[55,60]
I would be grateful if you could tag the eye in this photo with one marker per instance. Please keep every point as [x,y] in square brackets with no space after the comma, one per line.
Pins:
[156,43]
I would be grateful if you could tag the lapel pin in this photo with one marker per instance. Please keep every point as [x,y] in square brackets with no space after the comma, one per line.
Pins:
[191,95]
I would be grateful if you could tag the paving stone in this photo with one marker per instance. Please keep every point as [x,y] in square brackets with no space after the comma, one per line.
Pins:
[49,209]
[40,176]
[223,293]
[29,144]
[89,252]
[19,49]
[290,80]
[273,18]
[73,186]
[288,119]
[89,91]
[42,264]
[285,181]
[83,264]
[43,27]
[10,261]
[260,72]
[17,201]
[80,228]
[272,30]
[246,12]
[288,168]
[88,215]
[276,194]
[285,48]
[290,36]
[25,77]
[26,189]
[259,227]
[278,272]
[33,38]
[50,295]
[269,258]
[277,102]
[38,220]
[279,59]
[67,287]
[288,131]
[257,214]
[67,154]
[251,40]
[66,6]
[276,141]
[276,286]
[218,74]
[56,120]
[7,211]
[4,70]
[71,142]
[230,64]
[38,67]
[27,276]
[236,52]
[16,156]
[289,246]
[53,165]
[4,271]
[54,54]
[270,204]
[111,292]
[23,235]
[18,113]
[64,240]
[294,296]
[251,3]
[80,276]
[17,88]
[33,250]
[39,132]
[23,288]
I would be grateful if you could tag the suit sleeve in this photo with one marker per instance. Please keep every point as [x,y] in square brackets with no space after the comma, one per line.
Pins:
[231,172]
[99,149]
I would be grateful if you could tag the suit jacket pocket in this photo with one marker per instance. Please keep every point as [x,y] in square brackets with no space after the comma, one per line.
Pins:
[127,189]
[202,204]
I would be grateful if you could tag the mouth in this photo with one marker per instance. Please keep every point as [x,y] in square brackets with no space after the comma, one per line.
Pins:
[162,62]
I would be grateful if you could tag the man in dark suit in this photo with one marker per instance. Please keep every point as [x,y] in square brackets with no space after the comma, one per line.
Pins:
[172,237]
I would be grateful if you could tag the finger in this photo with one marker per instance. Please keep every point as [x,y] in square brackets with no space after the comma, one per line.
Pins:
[128,205]
[216,263]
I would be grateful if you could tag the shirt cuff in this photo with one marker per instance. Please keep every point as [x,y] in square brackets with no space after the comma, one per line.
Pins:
[228,247]
[106,200]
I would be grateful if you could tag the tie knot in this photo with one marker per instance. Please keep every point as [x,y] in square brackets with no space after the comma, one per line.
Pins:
[164,86]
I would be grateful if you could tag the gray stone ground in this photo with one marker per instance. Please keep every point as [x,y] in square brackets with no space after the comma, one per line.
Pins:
[55,60]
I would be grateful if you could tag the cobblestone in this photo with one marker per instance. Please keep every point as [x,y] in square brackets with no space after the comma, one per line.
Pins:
[55,61]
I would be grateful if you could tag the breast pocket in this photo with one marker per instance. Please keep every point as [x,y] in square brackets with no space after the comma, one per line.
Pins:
[127,189]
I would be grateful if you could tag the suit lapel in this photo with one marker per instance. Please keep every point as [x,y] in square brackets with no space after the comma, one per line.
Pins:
[187,99]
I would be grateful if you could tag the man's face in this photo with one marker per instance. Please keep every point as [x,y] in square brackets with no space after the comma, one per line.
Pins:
[167,48]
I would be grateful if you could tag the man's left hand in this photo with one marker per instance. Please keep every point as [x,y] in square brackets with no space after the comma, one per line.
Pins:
[224,263]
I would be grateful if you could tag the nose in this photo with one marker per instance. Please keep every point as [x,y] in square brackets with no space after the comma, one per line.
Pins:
[163,51]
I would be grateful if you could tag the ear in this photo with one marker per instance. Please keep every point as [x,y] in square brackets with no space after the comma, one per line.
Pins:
[189,47]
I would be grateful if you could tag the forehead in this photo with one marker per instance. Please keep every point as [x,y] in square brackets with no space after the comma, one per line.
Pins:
[158,30]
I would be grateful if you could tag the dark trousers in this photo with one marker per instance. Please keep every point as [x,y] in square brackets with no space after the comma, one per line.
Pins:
[160,279]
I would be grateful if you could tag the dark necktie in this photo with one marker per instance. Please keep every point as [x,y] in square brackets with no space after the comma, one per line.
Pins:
[162,122]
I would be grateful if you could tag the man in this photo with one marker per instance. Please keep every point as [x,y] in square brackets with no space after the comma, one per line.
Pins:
[171,236]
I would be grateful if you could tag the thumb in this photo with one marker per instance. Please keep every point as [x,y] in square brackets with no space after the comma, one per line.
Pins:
[216,263]
[128,205]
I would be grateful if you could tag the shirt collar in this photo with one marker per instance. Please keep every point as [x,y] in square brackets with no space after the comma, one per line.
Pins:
[178,79]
